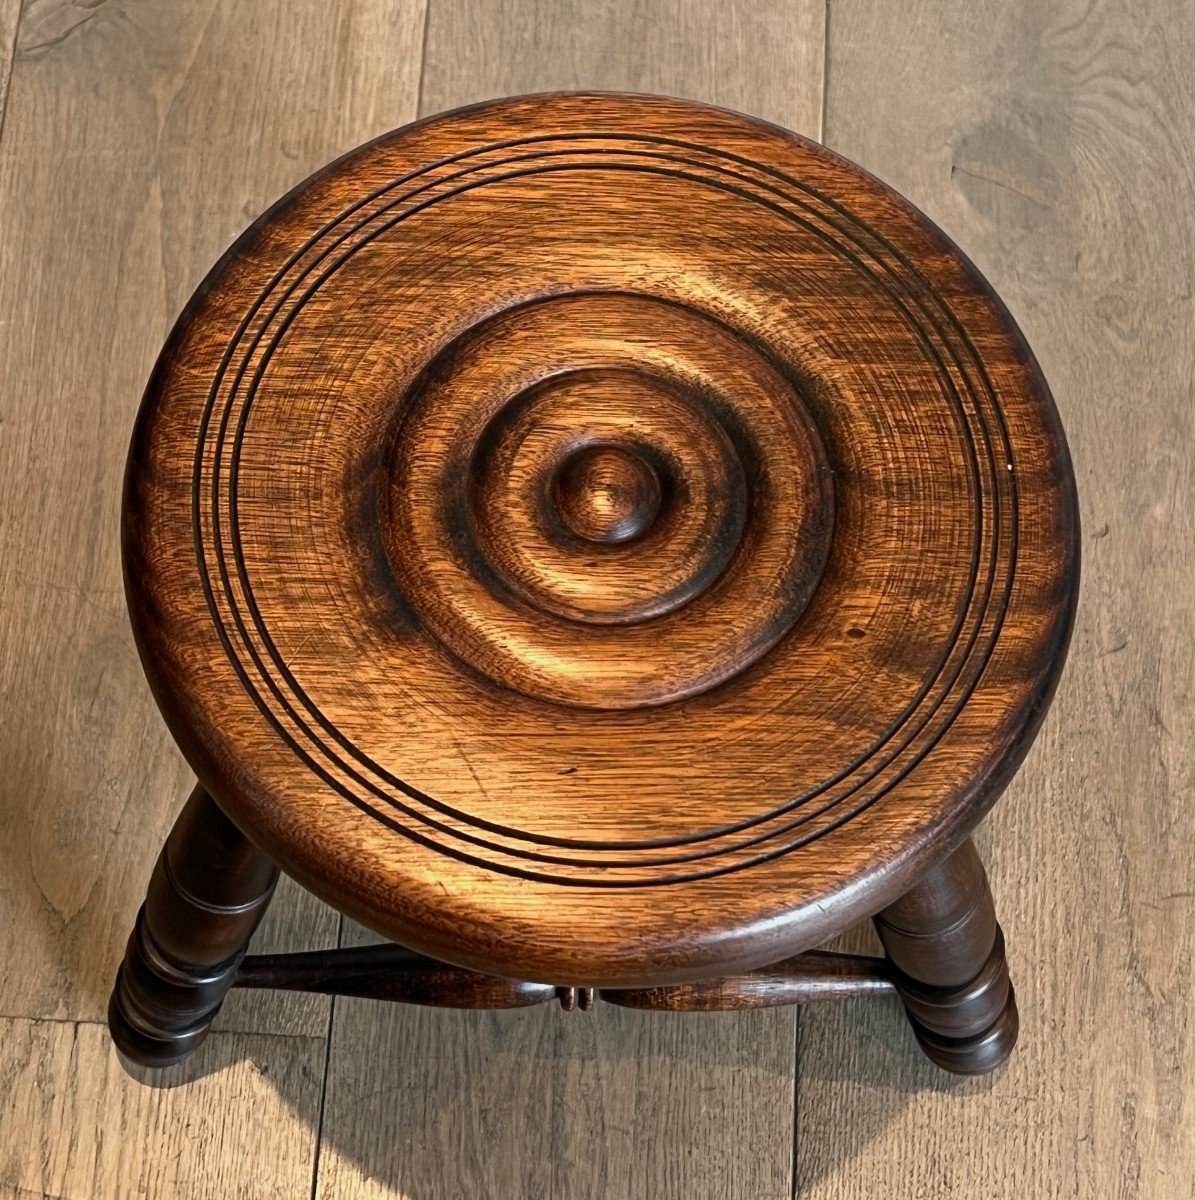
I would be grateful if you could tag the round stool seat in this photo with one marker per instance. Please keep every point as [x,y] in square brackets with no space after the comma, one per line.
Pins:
[600,539]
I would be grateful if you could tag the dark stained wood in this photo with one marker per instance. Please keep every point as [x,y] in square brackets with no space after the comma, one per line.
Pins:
[394,973]
[493,431]
[815,975]
[943,938]
[638,1119]
[389,973]
[941,930]
[209,890]
[600,540]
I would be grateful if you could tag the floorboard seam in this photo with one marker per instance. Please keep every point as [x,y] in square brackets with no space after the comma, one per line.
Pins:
[218,1031]
[794,1173]
[6,79]
[821,116]
[323,1090]
[427,20]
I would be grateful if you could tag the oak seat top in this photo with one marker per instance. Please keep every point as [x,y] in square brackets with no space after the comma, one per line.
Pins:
[600,539]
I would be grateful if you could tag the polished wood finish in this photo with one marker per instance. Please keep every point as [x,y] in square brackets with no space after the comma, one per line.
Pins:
[638,1120]
[814,975]
[389,973]
[209,889]
[393,973]
[948,951]
[211,886]
[466,684]
[1079,109]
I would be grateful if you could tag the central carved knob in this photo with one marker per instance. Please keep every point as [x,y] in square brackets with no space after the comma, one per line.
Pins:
[606,494]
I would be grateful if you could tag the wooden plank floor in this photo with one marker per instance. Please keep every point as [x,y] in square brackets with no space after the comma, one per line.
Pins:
[1055,144]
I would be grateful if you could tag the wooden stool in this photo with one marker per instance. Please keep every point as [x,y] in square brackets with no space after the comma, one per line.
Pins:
[609,546]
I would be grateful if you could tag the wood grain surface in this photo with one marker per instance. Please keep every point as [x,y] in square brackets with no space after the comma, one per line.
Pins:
[9,12]
[1056,146]
[1053,143]
[239,1121]
[766,59]
[632,1112]
[486,734]
[542,1102]
[138,140]
[133,233]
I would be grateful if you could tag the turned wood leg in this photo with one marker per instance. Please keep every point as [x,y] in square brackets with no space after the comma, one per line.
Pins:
[209,889]
[949,967]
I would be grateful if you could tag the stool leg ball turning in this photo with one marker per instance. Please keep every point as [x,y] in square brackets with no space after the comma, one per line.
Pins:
[946,954]
[209,889]
[608,546]
[211,886]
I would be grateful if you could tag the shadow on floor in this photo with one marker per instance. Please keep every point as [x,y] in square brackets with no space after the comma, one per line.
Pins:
[613,1103]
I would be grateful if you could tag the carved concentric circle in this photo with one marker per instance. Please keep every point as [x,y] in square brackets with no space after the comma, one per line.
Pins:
[699,517]
[605,492]
[709,445]
[602,496]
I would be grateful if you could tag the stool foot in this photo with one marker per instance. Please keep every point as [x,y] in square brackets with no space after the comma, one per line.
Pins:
[209,889]
[949,968]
